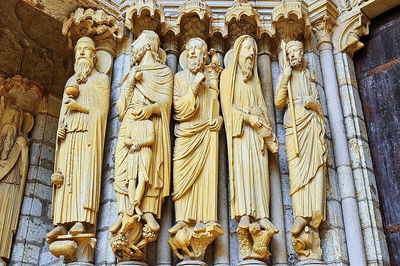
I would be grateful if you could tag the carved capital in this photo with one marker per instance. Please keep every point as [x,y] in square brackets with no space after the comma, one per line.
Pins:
[323,32]
[264,45]
[290,21]
[323,16]
[104,29]
[145,15]
[347,35]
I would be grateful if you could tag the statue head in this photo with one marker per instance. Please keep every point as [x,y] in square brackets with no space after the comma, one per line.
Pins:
[196,49]
[247,56]
[85,56]
[148,41]
[10,123]
[295,52]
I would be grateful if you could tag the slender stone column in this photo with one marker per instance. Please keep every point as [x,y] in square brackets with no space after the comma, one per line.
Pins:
[350,210]
[164,254]
[221,244]
[278,242]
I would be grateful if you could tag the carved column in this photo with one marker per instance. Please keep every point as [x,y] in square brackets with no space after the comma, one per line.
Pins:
[323,29]
[278,242]
[221,244]
[164,254]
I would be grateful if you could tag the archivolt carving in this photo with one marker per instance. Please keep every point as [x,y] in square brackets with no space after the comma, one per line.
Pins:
[348,34]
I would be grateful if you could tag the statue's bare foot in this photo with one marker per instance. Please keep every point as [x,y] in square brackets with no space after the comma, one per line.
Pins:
[178,226]
[116,225]
[59,230]
[267,225]
[213,223]
[77,229]
[244,222]
[151,222]
[199,227]
[298,225]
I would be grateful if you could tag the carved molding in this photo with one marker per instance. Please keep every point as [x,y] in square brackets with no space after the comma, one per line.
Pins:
[290,21]
[104,29]
[145,15]
[347,35]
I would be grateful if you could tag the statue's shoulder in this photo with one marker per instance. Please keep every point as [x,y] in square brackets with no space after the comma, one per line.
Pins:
[181,75]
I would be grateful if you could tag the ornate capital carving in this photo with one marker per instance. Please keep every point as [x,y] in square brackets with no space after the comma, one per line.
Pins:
[242,10]
[145,15]
[104,29]
[290,21]
[323,16]
[347,35]
[194,20]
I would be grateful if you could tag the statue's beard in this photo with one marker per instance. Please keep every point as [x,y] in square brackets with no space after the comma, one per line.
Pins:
[246,66]
[137,55]
[83,67]
[7,139]
[295,62]
[195,64]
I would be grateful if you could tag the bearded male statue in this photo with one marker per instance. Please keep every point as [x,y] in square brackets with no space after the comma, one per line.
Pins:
[14,165]
[143,152]
[306,149]
[79,148]
[195,176]
[249,137]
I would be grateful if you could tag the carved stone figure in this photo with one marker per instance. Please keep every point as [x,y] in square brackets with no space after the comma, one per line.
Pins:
[196,152]
[306,149]
[249,137]
[18,99]
[142,159]
[78,159]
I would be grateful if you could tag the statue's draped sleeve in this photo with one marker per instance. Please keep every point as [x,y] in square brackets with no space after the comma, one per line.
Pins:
[185,102]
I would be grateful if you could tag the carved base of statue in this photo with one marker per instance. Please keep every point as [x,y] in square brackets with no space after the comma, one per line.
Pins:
[254,241]
[129,238]
[193,241]
[76,249]
[307,244]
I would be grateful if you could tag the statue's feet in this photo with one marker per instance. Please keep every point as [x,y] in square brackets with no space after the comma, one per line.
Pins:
[116,225]
[77,229]
[267,225]
[244,222]
[151,222]
[298,225]
[58,230]
[178,226]
[199,228]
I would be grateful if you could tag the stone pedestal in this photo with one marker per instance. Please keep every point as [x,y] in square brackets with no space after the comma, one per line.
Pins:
[253,263]
[310,262]
[187,262]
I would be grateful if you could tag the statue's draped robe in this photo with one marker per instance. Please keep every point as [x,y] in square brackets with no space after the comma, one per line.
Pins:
[12,184]
[79,156]
[248,167]
[154,87]
[195,179]
[308,170]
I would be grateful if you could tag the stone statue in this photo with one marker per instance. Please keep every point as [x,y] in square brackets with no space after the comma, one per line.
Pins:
[195,176]
[14,164]
[249,137]
[79,153]
[306,149]
[142,159]
[19,98]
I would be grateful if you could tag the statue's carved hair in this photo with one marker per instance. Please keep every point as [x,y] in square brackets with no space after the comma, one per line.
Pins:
[152,43]
[203,45]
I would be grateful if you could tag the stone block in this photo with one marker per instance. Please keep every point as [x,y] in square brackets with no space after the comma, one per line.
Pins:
[334,217]
[44,175]
[333,192]
[107,191]
[17,252]
[359,183]
[34,152]
[47,157]
[43,192]
[109,153]
[345,100]
[333,245]
[369,243]
[39,127]
[364,210]
[350,127]
[31,207]
[31,254]
[22,228]
[103,252]
[108,214]
[37,230]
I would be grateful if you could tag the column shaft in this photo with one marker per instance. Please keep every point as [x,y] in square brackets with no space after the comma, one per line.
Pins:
[351,217]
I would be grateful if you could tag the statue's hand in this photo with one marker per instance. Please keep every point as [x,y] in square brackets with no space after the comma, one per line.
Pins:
[255,121]
[199,78]
[61,133]
[72,105]
[145,113]
[287,72]
[312,104]
[216,124]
